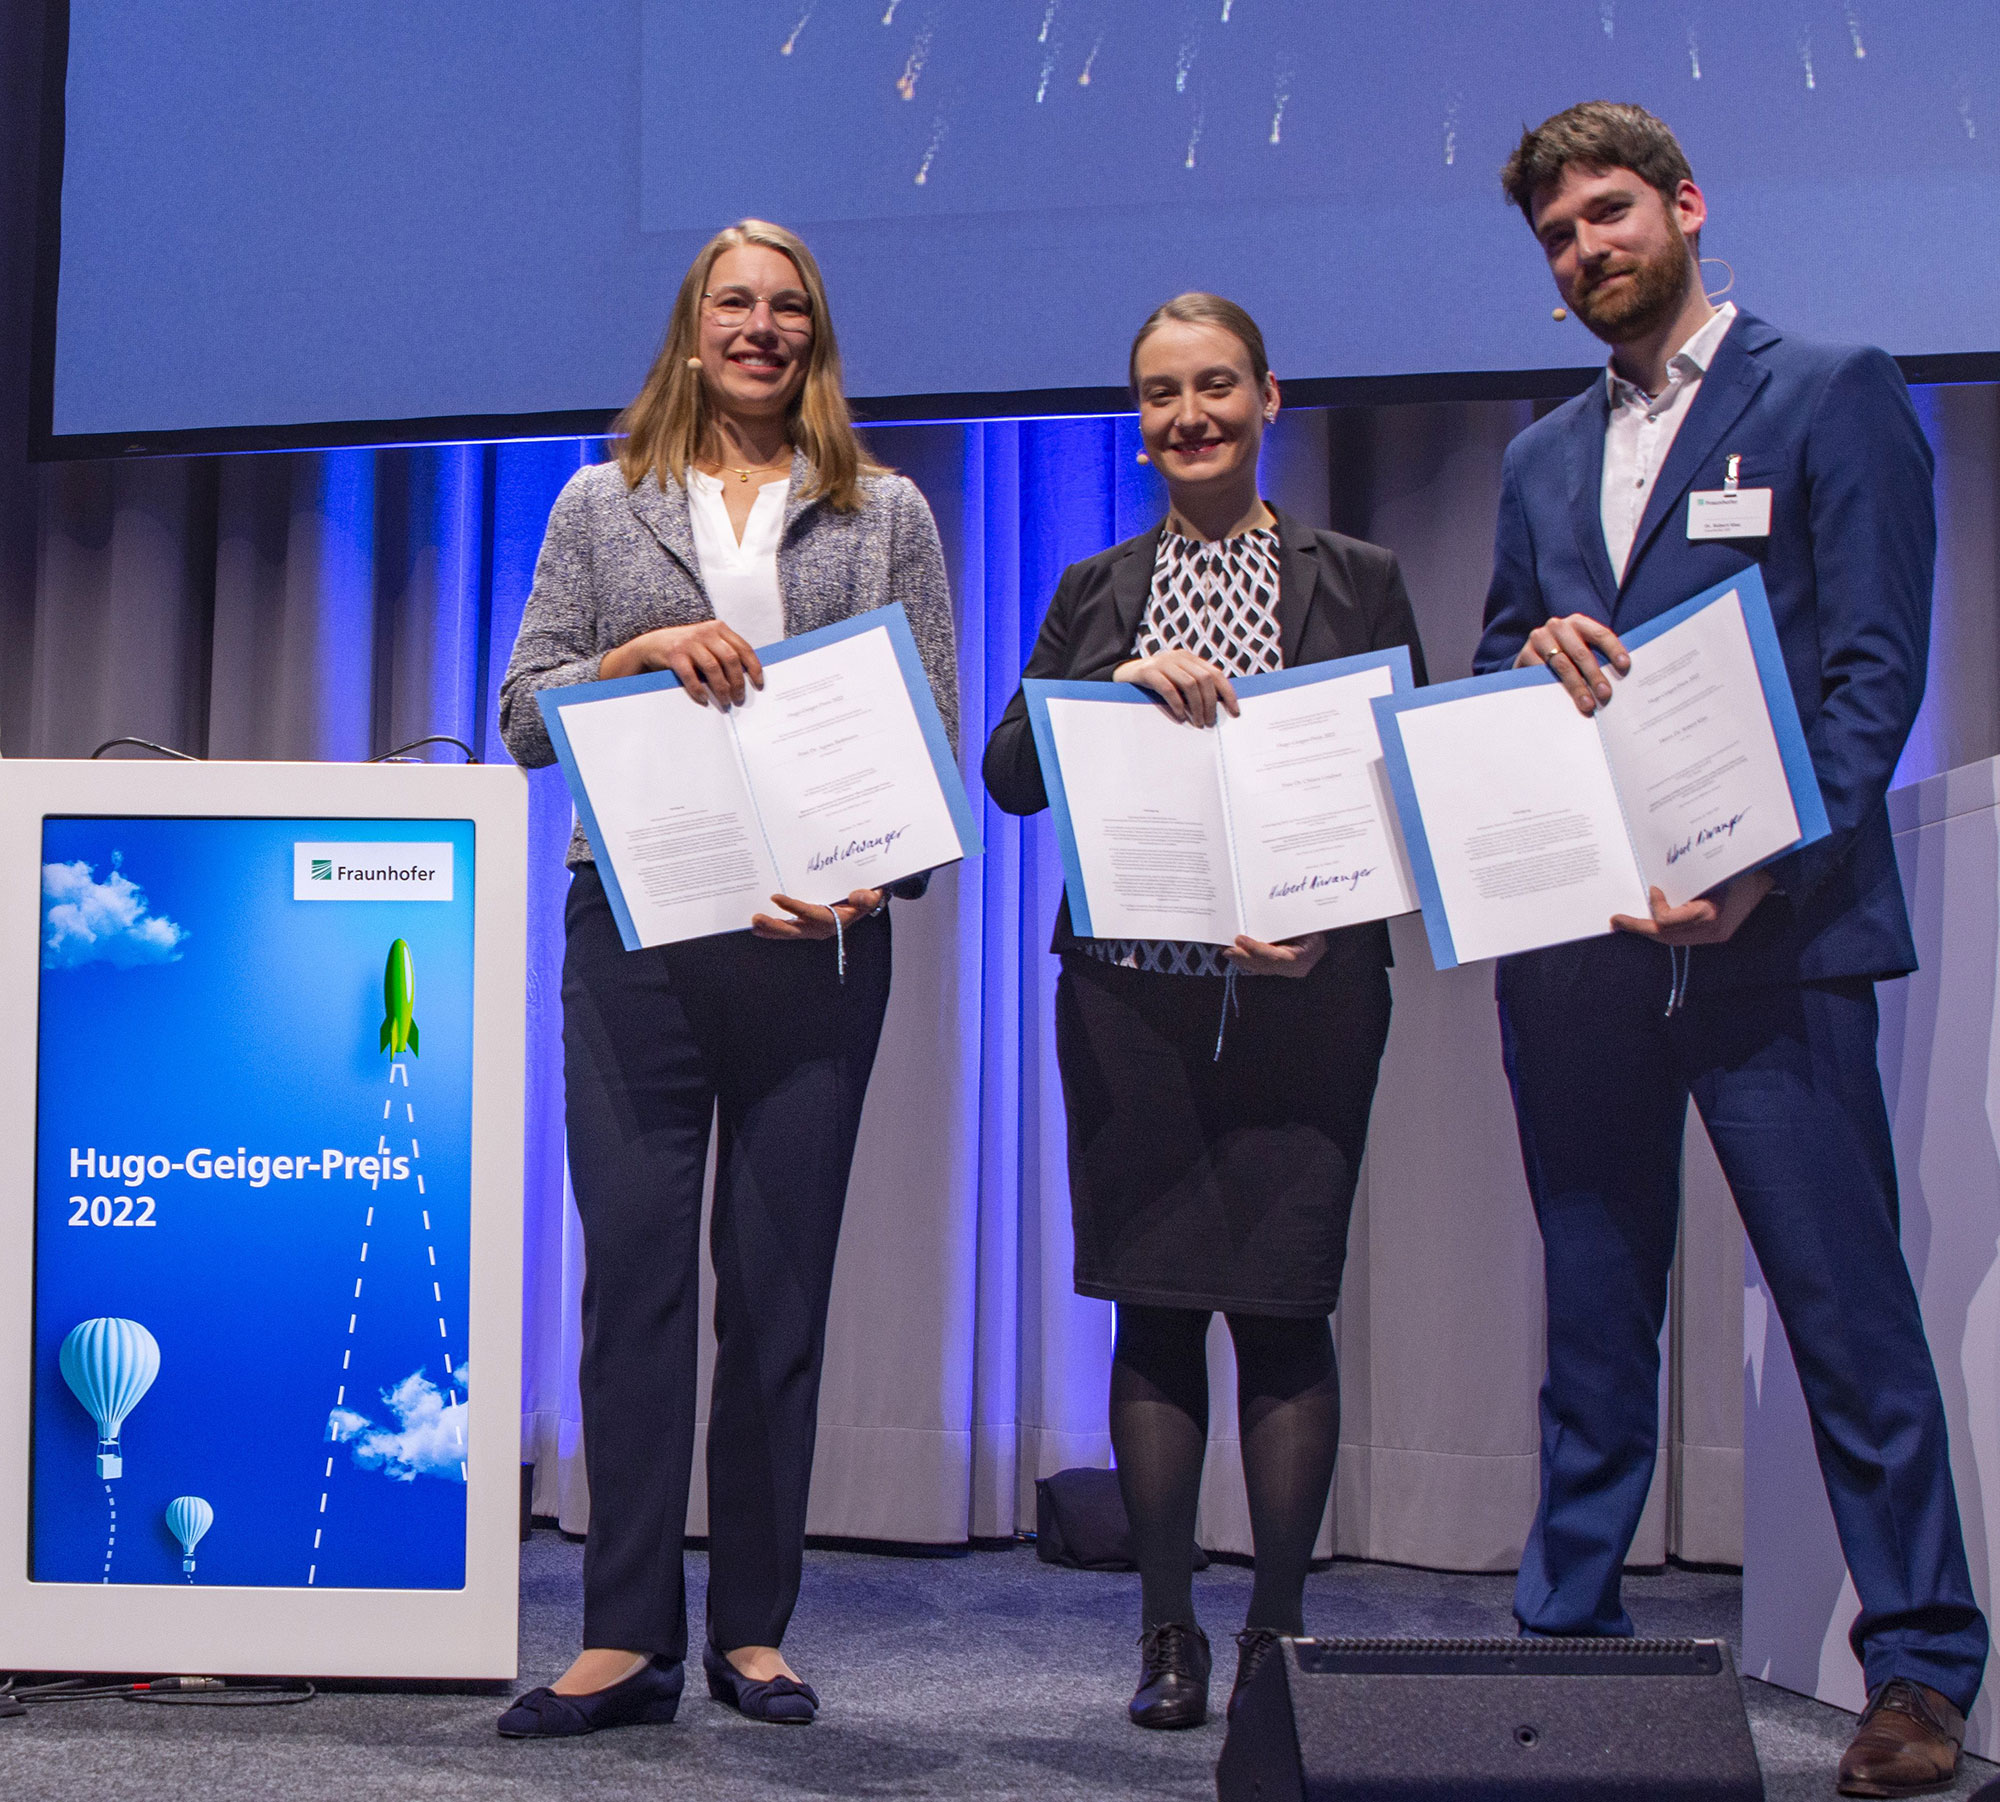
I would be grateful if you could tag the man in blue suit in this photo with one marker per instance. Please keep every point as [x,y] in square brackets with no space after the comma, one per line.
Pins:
[1758,1000]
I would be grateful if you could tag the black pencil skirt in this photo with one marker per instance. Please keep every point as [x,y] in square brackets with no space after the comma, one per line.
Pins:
[1220,1183]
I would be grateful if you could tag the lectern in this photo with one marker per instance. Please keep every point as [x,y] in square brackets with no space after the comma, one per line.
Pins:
[260,1192]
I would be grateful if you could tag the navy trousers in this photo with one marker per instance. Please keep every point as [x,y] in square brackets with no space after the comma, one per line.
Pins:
[765,1039]
[1787,1084]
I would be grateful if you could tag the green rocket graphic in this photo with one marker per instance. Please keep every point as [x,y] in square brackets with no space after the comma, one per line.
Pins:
[399,993]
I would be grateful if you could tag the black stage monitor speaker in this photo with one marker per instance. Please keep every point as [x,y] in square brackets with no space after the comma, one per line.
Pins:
[1477,1720]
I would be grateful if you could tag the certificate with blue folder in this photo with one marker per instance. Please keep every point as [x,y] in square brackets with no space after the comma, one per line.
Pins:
[1275,821]
[836,775]
[1530,824]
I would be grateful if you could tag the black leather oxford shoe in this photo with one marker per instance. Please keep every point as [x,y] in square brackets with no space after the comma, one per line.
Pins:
[1173,1677]
[1253,1646]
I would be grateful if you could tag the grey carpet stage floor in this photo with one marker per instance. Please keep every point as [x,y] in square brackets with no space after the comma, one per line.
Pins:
[987,1676]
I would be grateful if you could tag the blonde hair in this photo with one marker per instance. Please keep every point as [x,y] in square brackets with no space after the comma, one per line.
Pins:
[666,427]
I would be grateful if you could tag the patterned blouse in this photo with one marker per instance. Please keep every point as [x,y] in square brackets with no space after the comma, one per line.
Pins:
[1219,601]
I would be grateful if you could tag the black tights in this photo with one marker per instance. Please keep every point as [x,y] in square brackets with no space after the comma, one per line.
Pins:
[1288,1399]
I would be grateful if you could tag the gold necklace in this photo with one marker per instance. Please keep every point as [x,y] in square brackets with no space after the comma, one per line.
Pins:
[744,475]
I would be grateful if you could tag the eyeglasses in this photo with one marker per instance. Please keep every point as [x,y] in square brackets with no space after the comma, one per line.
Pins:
[791,311]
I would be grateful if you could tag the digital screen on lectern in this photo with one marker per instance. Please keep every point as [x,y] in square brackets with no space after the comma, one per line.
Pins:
[252,1209]
[273,215]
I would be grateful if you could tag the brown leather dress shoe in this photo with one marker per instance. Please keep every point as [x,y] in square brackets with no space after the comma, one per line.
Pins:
[1907,1743]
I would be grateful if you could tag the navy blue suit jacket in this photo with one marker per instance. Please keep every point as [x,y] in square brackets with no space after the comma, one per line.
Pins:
[1831,431]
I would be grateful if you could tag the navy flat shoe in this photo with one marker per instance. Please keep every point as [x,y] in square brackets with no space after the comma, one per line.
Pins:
[651,1695]
[779,1700]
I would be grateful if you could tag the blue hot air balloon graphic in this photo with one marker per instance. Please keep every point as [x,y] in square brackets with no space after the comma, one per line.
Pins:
[188,1518]
[109,1365]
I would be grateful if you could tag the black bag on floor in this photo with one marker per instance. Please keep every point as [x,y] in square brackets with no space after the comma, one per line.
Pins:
[1080,1522]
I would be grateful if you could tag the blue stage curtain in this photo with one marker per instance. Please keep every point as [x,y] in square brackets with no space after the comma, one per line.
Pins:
[335,605]
[1034,497]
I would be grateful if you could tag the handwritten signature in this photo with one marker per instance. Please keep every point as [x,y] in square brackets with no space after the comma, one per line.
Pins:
[856,847]
[1347,879]
[1721,829]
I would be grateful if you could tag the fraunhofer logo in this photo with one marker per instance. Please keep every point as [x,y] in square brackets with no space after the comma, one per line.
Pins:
[380,870]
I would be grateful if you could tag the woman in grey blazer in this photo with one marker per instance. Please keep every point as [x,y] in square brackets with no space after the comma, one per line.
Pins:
[740,509]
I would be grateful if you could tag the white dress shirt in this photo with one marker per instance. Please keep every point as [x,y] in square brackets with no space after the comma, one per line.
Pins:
[741,579]
[1642,430]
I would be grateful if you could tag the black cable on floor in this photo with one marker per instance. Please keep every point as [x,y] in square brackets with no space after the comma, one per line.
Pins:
[184,1692]
[238,1695]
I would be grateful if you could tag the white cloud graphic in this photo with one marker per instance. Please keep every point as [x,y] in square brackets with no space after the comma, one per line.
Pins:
[85,921]
[429,1439]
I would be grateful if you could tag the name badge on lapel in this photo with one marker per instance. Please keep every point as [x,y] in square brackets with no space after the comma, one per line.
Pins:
[1729,511]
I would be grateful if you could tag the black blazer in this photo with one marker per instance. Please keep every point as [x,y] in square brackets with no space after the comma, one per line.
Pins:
[1337,597]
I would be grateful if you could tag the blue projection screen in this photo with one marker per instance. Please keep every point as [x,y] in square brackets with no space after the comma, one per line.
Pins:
[292,225]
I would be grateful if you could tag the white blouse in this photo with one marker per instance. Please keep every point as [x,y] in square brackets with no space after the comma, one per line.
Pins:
[741,579]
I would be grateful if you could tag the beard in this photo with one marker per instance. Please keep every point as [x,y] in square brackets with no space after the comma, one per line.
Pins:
[1643,304]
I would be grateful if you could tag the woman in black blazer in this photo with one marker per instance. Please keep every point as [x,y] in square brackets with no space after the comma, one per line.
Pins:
[1212,1175]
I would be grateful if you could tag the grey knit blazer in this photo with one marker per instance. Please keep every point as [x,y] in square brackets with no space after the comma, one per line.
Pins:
[620,561]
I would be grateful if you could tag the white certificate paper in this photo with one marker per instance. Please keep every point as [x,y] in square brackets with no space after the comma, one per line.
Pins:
[1689,738]
[1522,819]
[1316,839]
[835,776]
[1144,797]
[674,815]
[1530,824]
[1274,822]
[844,781]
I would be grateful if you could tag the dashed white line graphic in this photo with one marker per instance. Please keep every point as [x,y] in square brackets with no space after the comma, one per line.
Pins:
[111,1542]
[415,1398]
